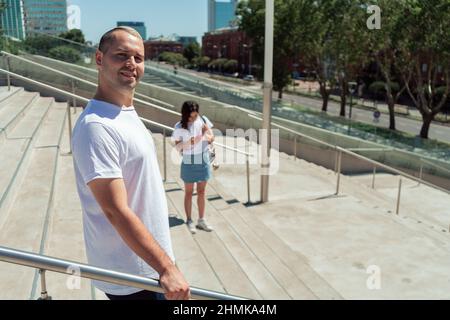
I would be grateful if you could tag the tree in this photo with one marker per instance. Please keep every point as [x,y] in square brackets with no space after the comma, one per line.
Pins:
[173,58]
[202,62]
[251,15]
[65,53]
[40,44]
[191,51]
[348,43]
[231,66]
[313,31]
[425,57]
[75,35]
[385,47]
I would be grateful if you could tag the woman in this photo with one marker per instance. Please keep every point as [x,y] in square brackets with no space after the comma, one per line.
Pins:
[192,136]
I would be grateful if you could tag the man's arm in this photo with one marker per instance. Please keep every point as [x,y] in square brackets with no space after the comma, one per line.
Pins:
[111,195]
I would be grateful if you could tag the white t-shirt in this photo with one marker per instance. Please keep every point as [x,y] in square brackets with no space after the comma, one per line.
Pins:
[194,130]
[112,142]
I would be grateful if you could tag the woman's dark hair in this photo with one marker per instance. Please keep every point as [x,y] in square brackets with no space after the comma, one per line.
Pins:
[186,110]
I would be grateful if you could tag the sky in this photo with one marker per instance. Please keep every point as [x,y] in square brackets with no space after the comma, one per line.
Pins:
[161,17]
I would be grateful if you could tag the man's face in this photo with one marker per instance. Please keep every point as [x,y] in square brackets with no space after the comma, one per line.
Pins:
[122,66]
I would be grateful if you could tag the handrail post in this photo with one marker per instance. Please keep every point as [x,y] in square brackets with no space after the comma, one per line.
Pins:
[69,118]
[336,160]
[399,195]
[295,148]
[8,68]
[44,293]
[373,178]
[165,154]
[248,179]
[421,172]
[339,169]
[74,100]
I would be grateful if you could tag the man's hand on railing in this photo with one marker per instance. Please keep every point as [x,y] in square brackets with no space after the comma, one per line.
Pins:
[174,284]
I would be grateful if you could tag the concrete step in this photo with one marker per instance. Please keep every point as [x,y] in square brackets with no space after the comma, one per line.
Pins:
[228,270]
[15,153]
[266,274]
[32,118]
[5,94]
[12,110]
[64,237]
[312,284]
[26,222]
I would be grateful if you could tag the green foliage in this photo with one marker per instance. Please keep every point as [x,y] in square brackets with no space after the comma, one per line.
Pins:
[231,66]
[173,58]
[65,53]
[75,35]
[191,51]
[379,87]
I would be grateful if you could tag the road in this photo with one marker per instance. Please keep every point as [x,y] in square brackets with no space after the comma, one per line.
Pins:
[437,131]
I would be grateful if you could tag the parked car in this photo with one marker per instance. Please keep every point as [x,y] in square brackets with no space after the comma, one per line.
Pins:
[249,77]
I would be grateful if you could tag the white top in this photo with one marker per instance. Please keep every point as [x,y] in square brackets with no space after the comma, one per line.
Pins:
[112,142]
[194,130]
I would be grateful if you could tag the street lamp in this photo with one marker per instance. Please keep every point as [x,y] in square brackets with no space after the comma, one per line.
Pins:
[267,107]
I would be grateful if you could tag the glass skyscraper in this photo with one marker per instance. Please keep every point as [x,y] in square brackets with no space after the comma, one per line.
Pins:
[45,16]
[221,14]
[138,26]
[12,19]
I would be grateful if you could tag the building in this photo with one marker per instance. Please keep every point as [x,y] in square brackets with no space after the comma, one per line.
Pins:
[153,48]
[229,43]
[185,41]
[138,26]
[12,19]
[221,14]
[45,16]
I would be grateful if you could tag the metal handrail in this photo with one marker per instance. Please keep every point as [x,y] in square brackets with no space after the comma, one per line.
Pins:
[340,151]
[164,127]
[86,81]
[434,165]
[61,266]
[44,263]
[351,153]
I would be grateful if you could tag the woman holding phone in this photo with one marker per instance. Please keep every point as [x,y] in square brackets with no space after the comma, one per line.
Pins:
[192,136]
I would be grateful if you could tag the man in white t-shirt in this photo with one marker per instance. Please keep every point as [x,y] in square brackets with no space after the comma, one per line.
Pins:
[125,215]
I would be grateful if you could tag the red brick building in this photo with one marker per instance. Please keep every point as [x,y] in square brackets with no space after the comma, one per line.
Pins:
[229,43]
[153,48]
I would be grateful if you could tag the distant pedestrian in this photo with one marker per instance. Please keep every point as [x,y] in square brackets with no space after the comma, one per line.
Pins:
[192,136]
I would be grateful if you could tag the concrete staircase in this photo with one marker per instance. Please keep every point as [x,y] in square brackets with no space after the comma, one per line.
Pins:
[156,80]
[305,244]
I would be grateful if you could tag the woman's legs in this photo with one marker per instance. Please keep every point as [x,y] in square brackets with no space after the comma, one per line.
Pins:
[201,198]
[189,191]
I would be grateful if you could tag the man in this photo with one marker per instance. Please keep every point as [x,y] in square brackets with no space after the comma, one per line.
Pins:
[125,215]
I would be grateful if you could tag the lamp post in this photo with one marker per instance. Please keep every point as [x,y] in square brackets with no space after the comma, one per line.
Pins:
[267,108]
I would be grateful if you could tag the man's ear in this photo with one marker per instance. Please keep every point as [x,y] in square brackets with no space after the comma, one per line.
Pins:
[98,58]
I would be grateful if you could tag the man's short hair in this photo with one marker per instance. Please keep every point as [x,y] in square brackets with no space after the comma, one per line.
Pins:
[108,37]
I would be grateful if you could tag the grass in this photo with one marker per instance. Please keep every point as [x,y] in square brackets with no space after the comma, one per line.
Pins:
[384,133]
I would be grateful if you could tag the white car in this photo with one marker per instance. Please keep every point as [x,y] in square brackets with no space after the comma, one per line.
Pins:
[249,77]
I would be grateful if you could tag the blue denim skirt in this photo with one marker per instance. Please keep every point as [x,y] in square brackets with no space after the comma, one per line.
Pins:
[196,168]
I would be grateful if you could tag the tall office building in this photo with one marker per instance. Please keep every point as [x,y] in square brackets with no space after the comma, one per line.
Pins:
[45,16]
[12,19]
[138,26]
[221,14]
